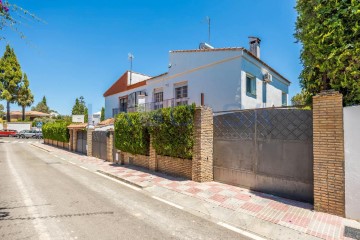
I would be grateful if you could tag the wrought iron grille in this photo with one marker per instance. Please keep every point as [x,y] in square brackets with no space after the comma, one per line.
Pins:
[263,124]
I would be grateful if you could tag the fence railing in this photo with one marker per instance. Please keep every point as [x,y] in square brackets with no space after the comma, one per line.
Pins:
[151,106]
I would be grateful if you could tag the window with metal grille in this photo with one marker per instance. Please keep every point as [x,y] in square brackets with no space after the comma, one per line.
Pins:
[181,94]
[158,99]
[123,104]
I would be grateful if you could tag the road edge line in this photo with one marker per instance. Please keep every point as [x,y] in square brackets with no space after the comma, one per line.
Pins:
[118,181]
[168,202]
[241,231]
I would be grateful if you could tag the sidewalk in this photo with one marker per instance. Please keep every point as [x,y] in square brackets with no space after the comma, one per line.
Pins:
[263,214]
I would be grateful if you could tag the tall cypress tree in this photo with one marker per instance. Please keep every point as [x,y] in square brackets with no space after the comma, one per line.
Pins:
[329,32]
[10,78]
[25,97]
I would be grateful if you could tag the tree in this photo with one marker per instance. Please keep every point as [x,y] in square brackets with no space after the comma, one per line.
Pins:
[102,117]
[2,113]
[80,108]
[12,15]
[25,97]
[10,78]
[300,99]
[42,106]
[331,54]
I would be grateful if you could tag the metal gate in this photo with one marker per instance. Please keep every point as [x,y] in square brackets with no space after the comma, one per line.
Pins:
[267,150]
[81,142]
[99,144]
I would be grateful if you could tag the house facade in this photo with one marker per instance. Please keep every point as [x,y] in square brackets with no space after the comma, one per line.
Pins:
[222,78]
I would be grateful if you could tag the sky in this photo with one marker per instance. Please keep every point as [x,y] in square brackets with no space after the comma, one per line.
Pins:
[80,48]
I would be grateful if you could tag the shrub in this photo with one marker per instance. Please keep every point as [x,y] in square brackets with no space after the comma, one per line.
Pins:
[172,131]
[131,133]
[57,131]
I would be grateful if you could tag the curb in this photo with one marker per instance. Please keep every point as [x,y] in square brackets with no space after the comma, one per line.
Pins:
[120,179]
[40,147]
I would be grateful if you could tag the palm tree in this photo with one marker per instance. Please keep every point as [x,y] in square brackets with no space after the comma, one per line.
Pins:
[25,97]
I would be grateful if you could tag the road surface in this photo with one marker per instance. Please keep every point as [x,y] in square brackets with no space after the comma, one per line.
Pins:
[43,197]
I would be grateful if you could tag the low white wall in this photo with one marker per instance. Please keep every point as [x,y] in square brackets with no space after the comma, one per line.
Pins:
[1,126]
[352,161]
[19,126]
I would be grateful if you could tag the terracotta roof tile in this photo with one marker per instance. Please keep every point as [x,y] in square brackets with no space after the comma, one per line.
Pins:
[77,125]
[108,121]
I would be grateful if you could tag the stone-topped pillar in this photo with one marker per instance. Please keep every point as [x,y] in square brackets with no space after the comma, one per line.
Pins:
[110,145]
[152,158]
[89,134]
[202,162]
[328,148]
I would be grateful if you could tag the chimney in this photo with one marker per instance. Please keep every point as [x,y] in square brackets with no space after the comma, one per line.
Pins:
[255,46]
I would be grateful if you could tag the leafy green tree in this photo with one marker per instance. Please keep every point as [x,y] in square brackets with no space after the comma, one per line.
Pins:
[10,78]
[42,106]
[102,117]
[300,99]
[80,108]
[25,97]
[329,33]
[2,113]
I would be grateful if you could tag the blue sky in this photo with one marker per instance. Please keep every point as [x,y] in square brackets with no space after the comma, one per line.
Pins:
[83,46]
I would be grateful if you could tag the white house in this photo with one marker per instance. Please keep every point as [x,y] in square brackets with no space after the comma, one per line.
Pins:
[222,78]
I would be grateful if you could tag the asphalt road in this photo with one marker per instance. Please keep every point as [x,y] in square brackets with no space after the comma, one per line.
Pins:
[42,197]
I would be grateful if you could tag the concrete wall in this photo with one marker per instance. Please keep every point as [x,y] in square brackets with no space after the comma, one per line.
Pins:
[19,126]
[352,161]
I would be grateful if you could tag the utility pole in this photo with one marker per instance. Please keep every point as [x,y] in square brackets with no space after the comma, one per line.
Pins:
[131,57]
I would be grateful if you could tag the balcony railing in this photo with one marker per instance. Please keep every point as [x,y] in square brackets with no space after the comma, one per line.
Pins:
[116,111]
[151,106]
[147,107]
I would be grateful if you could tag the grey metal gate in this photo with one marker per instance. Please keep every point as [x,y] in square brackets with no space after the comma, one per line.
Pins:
[81,142]
[99,144]
[267,150]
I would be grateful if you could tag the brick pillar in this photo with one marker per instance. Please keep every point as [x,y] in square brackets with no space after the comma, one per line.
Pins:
[71,132]
[328,148]
[74,140]
[110,146]
[152,159]
[202,162]
[89,134]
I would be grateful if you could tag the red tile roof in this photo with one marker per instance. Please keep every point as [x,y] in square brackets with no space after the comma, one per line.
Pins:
[121,85]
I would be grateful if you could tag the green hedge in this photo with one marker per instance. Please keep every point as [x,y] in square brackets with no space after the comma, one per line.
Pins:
[57,131]
[131,133]
[172,131]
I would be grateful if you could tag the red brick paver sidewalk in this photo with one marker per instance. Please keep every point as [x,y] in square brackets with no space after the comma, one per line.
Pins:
[288,213]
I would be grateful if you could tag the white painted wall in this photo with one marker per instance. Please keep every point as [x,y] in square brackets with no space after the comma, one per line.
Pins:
[136,77]
[352,161]
[1,126]
[19,126]
[220,75]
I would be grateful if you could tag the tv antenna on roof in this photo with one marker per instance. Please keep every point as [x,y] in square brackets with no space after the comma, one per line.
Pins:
[208,21]
[130,57]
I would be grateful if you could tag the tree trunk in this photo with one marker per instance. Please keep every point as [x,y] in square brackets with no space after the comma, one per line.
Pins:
[8,111]
[23,113]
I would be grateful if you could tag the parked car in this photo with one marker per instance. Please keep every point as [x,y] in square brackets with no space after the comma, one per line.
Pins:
[38,134]
[26,134]
[8,133]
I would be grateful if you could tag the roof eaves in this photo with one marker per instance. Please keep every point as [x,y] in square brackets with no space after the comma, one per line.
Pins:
[264,63]
[208,50]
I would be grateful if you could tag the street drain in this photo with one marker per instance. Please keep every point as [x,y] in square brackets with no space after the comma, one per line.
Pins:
[352,233]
